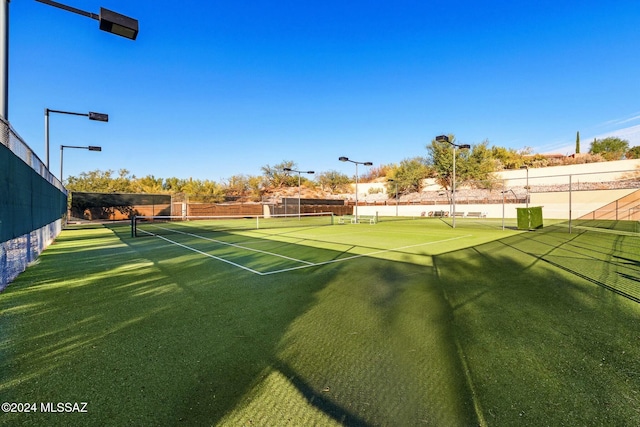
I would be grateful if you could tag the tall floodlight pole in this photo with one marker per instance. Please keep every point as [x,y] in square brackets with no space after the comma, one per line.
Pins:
[396,182]
[445,138]
[100,117]
[503,193]
[527,184]
[62,147]
[570,213]
[453,191]
[346,159]
[109,21]
[298,172]
[4,59]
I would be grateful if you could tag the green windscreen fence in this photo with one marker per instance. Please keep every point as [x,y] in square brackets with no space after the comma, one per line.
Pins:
[529,218]
[117,206]
[27,200]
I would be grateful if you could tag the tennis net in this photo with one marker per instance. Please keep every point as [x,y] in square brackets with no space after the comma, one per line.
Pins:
[159,225]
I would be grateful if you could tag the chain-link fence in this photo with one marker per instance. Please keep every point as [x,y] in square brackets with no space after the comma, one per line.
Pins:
[591,192]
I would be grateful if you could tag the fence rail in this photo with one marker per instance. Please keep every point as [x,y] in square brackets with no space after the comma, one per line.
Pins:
[10,139]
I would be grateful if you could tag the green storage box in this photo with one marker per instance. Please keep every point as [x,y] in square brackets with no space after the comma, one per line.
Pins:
[529,218]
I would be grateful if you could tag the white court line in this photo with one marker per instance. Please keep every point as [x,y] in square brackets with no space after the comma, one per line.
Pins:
[210,256]
[363,255]
[235,245]
[308,264]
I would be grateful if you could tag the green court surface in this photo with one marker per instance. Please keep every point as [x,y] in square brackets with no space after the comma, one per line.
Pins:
[405,322]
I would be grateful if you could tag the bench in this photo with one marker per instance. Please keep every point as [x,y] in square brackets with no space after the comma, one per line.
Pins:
[351,219]
[344,219]
[460,214]
[477,214]
[371,219]
[440,214]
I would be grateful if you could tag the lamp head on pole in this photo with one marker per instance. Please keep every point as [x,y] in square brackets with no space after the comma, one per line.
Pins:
[100,117]
[343,159]
[445,138]
[118,24]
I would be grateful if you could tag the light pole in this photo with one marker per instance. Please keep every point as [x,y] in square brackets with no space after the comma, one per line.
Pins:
[445,138]
[62,147]
[527,185]
[396,182]
[4,59]
[110,21]
[100,117]
[346,159]
[298,172]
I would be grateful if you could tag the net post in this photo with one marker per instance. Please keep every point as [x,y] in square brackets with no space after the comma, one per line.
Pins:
[133,226]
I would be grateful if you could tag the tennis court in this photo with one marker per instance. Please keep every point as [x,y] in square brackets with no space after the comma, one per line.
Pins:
[302,242]
[401,322]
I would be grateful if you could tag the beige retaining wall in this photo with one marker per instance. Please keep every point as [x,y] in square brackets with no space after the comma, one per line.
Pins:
[555,204]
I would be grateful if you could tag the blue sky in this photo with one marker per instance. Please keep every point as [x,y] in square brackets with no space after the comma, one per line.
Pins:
[215,89]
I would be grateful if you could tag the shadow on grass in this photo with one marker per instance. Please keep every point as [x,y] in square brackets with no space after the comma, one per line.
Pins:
[150,334]
[542,345]
[601,258]
[321,400]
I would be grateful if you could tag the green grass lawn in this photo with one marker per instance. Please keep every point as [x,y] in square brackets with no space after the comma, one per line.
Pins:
[398,323]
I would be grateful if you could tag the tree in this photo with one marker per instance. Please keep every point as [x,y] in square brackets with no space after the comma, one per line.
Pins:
[478,170]
[374,172]
[236,186]
[441,159]
[204,191]
[611,148]
[276,177]
[174,185]
[256,187]
[506,158]
[408,176]
[148,184]
[633,153]
[333,181]
[475,165]
[101,182]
